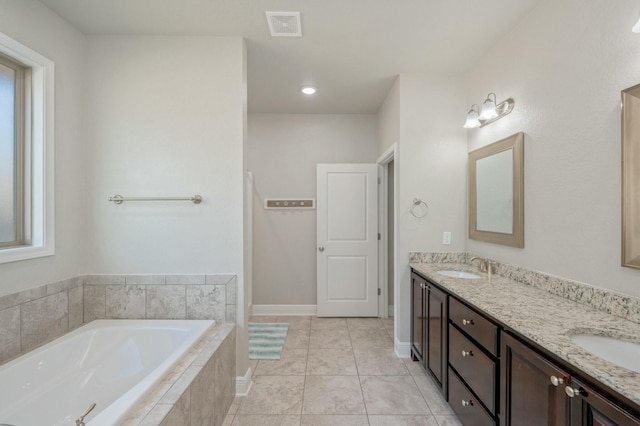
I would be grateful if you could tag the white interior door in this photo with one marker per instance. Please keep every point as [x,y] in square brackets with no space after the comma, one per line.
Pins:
[347,240]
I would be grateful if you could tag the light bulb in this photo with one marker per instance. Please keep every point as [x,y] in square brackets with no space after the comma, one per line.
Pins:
[636,27]
[308,90]
[472,119]
[489,108]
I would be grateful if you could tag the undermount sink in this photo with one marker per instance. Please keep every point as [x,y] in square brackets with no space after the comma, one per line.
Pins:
[460,274]
[620,352]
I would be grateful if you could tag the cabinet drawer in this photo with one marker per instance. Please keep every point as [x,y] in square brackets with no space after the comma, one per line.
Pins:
[471,413]
[475,367]
[475,325]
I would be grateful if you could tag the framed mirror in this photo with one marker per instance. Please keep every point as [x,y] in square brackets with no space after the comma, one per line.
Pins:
[631,177]
[496,192]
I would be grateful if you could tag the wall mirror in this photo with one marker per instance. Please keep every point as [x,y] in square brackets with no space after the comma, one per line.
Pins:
[496,192]
[631,177]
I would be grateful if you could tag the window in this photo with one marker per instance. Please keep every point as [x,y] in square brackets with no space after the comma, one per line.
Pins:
[26,153]
[12,141]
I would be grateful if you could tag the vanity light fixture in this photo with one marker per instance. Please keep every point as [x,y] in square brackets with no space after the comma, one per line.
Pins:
[490,112]
[636,27]
[472,118]
[308,90]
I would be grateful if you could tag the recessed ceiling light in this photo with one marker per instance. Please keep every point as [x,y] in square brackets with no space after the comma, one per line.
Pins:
[308,90]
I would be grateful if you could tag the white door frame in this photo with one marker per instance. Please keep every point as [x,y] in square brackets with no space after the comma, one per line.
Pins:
[391,154]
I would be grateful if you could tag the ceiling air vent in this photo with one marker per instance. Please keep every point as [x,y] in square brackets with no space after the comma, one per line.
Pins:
[284,24]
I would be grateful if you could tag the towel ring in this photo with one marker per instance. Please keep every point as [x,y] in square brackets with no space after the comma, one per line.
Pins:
[415,203]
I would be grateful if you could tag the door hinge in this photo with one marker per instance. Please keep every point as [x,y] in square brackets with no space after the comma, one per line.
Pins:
[379,292]
[379,236]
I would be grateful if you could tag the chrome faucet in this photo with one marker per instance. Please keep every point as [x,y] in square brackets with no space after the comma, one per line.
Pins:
[80,420]
[484,265]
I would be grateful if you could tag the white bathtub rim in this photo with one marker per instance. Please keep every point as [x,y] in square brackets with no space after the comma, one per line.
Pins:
[129,399]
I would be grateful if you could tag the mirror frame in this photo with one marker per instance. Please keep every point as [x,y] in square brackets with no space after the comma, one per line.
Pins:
[516,238]
[630,177]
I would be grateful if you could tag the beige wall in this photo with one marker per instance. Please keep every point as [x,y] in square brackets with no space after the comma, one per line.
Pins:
[565,66]
[389,119]
[35,26]
[157,127]
[431,166]
[160,128]
[283,150]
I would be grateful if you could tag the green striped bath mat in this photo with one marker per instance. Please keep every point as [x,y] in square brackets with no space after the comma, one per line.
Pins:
[266,340]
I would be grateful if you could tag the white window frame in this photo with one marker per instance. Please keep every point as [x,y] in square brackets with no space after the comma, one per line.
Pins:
[39,206]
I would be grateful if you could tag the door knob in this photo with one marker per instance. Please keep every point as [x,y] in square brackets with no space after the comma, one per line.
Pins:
[467,353]
[467,403]
[321,249]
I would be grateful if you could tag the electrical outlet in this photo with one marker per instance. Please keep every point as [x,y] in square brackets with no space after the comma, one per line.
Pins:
[446,238]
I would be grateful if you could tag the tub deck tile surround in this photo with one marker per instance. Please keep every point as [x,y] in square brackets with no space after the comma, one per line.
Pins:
[104,279]
[125,301]
[44,319]
[94,302]
[10,343]
[166,302]
[548,320]
[33,317]
[76,307]
[185,279]
[145,279]
[204,299]
[199,390]
[21,297]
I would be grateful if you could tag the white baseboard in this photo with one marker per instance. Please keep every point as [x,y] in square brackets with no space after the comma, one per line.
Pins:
[391,311]
[243,383]
[403,349]
[284,310]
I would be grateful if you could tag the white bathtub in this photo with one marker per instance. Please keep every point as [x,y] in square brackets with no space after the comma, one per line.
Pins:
[109,362]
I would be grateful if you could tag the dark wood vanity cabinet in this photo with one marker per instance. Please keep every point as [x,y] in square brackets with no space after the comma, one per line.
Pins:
[491,375]
[429,328]
[418,315]
[473,364]
[589,408]
[532,388]
[437,335]
[538,392]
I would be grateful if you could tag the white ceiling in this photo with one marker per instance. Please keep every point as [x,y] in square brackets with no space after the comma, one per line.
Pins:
[351,50]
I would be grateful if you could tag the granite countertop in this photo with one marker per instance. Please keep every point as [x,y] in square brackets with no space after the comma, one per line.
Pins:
[546,319]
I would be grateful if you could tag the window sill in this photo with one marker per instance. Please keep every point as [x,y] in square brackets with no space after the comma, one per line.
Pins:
[15,254]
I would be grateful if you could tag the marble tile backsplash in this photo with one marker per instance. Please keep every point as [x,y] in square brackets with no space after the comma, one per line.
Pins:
[33,317]
[616,304]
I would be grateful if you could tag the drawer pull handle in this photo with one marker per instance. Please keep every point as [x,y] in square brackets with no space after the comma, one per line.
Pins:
[555,381]
[467,353]
[468,403]
[571,392]
[467,322]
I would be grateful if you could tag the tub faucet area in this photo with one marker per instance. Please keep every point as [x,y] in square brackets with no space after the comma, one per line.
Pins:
[80,420]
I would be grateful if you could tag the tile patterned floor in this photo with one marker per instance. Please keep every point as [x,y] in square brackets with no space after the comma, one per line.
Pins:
[335,372]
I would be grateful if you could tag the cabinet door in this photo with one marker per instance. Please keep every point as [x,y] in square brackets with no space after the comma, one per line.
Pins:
[436,335]
[418,288]
[528,396]
[592,409]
